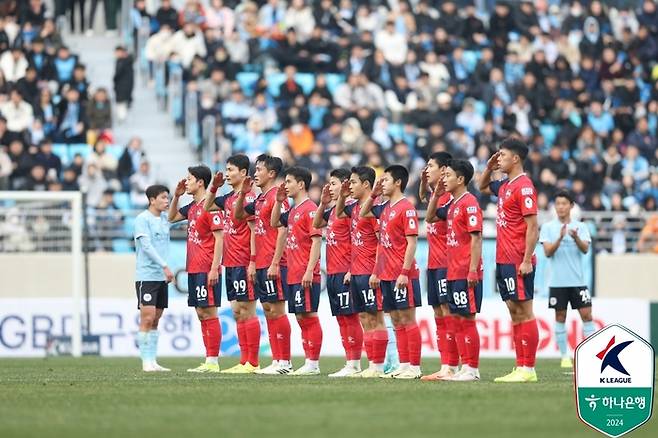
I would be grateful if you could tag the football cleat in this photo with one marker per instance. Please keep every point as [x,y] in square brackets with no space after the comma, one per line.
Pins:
[205,368]
[237,369]
[409,374]
[566,363]
[346,371]
[306,371]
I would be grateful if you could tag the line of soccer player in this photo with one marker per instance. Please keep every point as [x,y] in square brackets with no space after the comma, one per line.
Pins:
[271,253]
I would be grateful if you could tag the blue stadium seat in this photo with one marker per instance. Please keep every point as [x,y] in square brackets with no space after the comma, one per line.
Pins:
[121,246]
[82,149]
[549,132]
[480,108]
[396,130]
[129,226]
[115,150]
[62,151]
[274,81]
[247,81]
[471,58]
[306,81]
[122,200]
[333,81]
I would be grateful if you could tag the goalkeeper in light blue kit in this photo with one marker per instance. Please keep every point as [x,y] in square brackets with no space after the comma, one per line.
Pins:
[565,241]
[152,273]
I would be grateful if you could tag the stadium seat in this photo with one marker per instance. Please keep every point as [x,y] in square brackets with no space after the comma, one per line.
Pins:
[274,81]
[306,81]
[549,132]
[129,225]
[115,150]
[247,81]
[62,151]
[480,108]
[122,201]
[396,130]
[82,149]
[122,246]
[471,58]
[333,81]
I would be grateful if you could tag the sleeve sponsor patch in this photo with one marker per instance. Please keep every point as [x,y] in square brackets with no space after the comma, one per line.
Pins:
[471,209]
[528,202]
[411,213]
[472,220]
[526,191]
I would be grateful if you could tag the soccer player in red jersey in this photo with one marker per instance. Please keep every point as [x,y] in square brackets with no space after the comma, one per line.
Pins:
[464,247]
[204,253]
[303,246]
[437,266]
[339,257]
[517,234]
[368,300]
[239,255]
[396,266]
[271,272]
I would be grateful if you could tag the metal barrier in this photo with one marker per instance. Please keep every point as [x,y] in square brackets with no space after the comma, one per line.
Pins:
[176,93]
[143,34]
[160,78]
[209,147]
[192,119]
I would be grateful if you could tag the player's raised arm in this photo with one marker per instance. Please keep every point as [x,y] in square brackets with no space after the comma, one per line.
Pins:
[239,209]
[314,256]
[342,197]
[583,245]
[551,247]
[209,202]
[531,236]
[174,215]
[377,190]
[431,215]
[423,188]
[275,220]
[325,199]
[485,178]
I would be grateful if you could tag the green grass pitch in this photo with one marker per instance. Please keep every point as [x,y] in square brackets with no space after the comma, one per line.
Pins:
[97,397]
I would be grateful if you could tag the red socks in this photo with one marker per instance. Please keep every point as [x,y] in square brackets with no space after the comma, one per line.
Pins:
[252,330]
[311,337]
[242,341]
[518,345]
[282,332]
[402,343]
[459,339]
[354,337]
[471,342]
[212,336]
[441,338]
[452,354]
[368,344]
[529,334]
[274,342]
[379,345]
[414,343]
[342,327]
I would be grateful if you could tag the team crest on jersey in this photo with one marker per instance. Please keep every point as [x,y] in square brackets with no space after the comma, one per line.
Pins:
[508,193]
[311,214]
[472,220]
[216,220]
[528,202]
[456,212]
[198,213]
[296,217]
[391,214]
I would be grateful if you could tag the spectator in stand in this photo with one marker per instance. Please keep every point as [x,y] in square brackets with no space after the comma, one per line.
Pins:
[72,122]
[139,182]
[106,162]
[18,115]
[6,168]
[167,15]
[132,155]
[93,183]
[50,162]
[99,112]
[21,162]
[111,10]
[124,77]
[648,241]
[13,64]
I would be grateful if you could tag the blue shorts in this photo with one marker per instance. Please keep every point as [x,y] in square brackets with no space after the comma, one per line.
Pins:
[514,286]
[341,298]
[200,293]
[464,300]
[366,299]
[401,299]
[271,291]
[238,287]
[437,286]
[302,300]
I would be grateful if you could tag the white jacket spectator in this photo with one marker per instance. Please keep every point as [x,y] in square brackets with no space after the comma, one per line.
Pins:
[438,73]
[621,19]
[19,114]
[13,65]
[187,43]
[6,168]
[392,44]
[220,17]
[93,182]
[362,94]
[159,45]
[139,182]
[300,17]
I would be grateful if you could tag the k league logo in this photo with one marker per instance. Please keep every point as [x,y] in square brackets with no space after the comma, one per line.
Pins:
[614,376]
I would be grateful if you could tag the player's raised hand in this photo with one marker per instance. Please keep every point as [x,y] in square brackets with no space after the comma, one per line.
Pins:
[247,185]
[492,164]
[281,194]
[573,233]
[377,189]
[180,188]
[218,180]
[563,231]
[345,189]
[325,198]
[423,179]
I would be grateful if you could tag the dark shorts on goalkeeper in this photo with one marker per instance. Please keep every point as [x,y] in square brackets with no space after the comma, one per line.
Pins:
[303,300]
[464,300]
[437,286]
[202,294]
[271,291]
[366,299]
[401,299]
[152,293]
[238,286]
[341,298]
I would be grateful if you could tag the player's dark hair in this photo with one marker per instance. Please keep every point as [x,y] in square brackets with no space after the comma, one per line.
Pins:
[300,174]
[566,195]
[201,172]
[240,161]
[154,191]
[441,158]
[365,173]
[398,173]
[272,164]
[341,174]
[516,146]
[462,168]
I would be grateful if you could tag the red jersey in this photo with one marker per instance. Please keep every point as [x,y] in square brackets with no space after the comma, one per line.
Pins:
[266,234]
[364,241]
[517,198]
[464,217]
[436,238]
[299,221]
[237,234]
[338,242]
[396,222]
[200,238]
